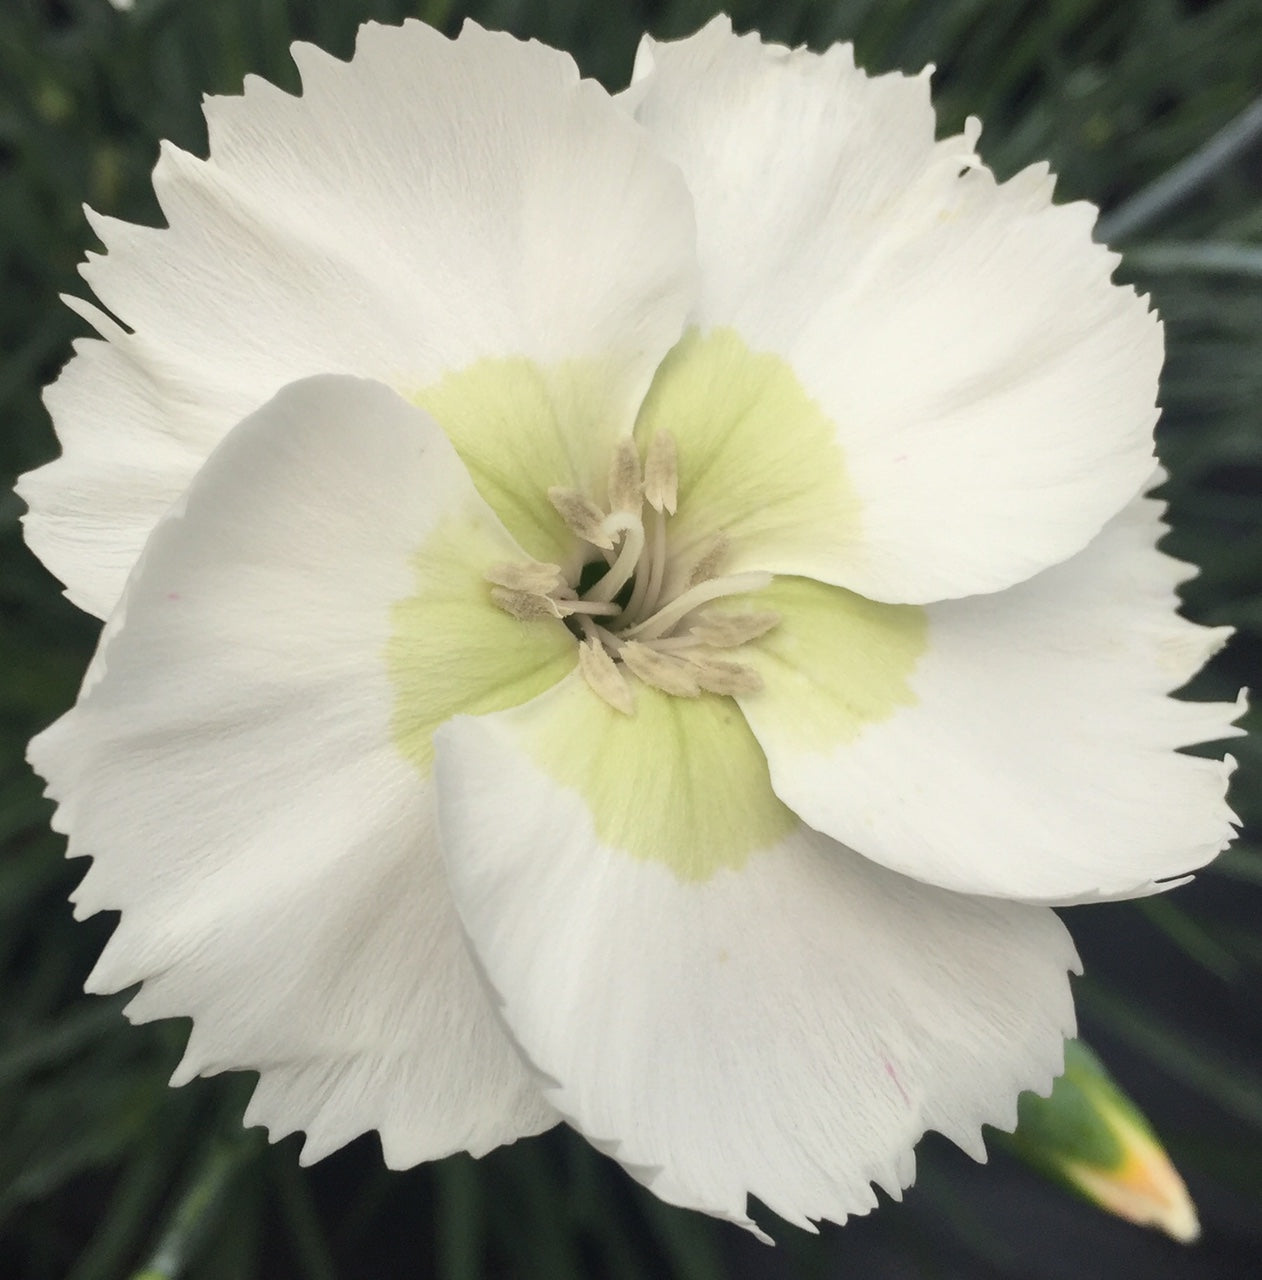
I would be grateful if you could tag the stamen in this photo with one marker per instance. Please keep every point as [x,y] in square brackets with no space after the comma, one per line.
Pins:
[670,675]
[665,618]
[531,576]
[626,482]
[582,517]
[638,638]
[528,606]
[708,565]
[718,676]
[661,473]
[727,630]
[602,675]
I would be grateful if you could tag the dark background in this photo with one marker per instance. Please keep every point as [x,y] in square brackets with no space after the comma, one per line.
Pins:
[104,1171]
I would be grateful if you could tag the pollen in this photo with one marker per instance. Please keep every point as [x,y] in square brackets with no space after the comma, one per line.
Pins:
[639,610]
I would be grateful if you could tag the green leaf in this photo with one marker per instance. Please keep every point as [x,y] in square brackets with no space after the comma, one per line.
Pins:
[200,1208]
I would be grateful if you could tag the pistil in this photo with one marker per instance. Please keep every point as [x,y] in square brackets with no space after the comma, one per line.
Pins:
[648,585]
[624,567]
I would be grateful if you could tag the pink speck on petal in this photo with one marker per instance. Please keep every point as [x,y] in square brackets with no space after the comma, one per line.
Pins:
[898,1084]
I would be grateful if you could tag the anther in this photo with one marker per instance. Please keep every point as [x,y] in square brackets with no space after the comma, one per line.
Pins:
[719,676]
[582,517]
[602,675]
[530,577]
[528,606]
[727,630]
[626,482]
[708,564]
[661,473]
[669,674]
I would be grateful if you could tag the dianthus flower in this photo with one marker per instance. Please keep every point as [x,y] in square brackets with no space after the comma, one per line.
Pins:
[620,609]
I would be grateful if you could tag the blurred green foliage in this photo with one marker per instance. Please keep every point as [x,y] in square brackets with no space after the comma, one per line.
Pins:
[105,1172]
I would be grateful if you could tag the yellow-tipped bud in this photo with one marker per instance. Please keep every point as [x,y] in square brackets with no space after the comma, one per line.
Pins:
[1090,1136]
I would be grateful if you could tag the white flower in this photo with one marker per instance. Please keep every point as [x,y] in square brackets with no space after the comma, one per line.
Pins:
[745,884]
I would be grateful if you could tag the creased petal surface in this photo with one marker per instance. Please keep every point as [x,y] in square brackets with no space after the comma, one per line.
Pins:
[1025,747]
[429,207]
[235,771]
[991,393]
[785,1025]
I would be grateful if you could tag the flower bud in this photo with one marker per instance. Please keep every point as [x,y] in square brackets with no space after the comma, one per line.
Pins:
[1089,1135]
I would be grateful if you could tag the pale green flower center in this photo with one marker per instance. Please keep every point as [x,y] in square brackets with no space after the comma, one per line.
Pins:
[643,551]
[635,609]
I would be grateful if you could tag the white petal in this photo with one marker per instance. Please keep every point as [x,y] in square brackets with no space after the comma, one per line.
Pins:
[991,393]
[785,1025]
[428,206]
[242,773]
[1031,752]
